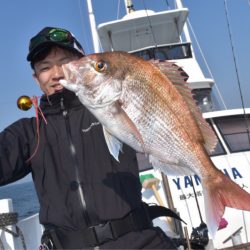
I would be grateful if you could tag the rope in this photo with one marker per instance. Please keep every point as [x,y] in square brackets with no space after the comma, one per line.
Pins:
[150,24]
[8,219]
[118,9]
[236,71]
[167,3]
[208,68]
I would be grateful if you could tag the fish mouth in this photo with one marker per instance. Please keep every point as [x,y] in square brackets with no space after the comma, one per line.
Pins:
[70,79]
[67,72]
[71,72]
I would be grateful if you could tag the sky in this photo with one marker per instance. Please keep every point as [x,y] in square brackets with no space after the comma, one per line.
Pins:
[20,20]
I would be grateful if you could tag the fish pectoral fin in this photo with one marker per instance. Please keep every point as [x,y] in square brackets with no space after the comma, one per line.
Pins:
[170,167]
[129,128]
[114,145]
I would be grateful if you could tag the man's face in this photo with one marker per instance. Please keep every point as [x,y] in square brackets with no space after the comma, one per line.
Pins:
[49,71]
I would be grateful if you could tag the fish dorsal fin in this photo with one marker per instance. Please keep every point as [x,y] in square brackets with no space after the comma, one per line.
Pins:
[178,78]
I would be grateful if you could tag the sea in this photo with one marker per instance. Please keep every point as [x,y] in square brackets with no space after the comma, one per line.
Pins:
[24,198]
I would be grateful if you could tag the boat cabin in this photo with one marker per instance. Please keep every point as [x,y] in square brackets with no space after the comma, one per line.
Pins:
[160,35]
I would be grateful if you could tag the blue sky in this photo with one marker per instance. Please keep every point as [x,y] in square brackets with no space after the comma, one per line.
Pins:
[20,20]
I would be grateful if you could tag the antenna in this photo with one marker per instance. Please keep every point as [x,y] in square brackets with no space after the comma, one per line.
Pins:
[129,6]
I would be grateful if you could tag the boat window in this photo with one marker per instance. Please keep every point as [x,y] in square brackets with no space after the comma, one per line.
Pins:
[235,133]
[219,150]
[170,52]
[203,99]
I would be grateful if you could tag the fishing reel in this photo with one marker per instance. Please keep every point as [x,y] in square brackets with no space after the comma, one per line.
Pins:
[199,237]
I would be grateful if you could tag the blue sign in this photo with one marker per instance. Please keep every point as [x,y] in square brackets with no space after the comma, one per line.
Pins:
[186,181]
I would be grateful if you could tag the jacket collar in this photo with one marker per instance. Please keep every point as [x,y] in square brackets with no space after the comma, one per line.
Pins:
[52,104]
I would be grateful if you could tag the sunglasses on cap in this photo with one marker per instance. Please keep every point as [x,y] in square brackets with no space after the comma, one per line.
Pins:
[56,35]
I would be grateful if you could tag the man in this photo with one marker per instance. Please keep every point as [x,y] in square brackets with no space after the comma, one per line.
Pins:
[87,199]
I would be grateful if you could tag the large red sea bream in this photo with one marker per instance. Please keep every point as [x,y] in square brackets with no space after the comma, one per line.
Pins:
[149,106]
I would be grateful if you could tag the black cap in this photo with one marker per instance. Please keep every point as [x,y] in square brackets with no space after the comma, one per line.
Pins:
[53,36]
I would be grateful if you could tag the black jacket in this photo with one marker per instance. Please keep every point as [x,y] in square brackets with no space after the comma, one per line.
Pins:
[78,182]
[72,150]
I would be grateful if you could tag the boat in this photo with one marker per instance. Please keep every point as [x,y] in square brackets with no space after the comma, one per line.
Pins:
[165,35]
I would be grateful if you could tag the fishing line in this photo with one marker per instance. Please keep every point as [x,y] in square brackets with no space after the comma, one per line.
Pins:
[150,26]
[236,69]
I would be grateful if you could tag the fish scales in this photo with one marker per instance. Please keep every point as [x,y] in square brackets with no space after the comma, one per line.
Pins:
[149,106]
[158,116]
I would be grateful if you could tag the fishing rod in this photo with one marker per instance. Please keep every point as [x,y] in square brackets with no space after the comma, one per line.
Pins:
[199,235]
[188,210]
[196,200]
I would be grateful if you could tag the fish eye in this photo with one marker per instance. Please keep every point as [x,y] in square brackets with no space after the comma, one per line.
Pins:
[100,66]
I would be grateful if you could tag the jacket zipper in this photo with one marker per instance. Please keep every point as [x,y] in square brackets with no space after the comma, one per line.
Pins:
[75,164]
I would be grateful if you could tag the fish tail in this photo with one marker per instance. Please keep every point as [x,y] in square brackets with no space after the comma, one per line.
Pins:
[221,193]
